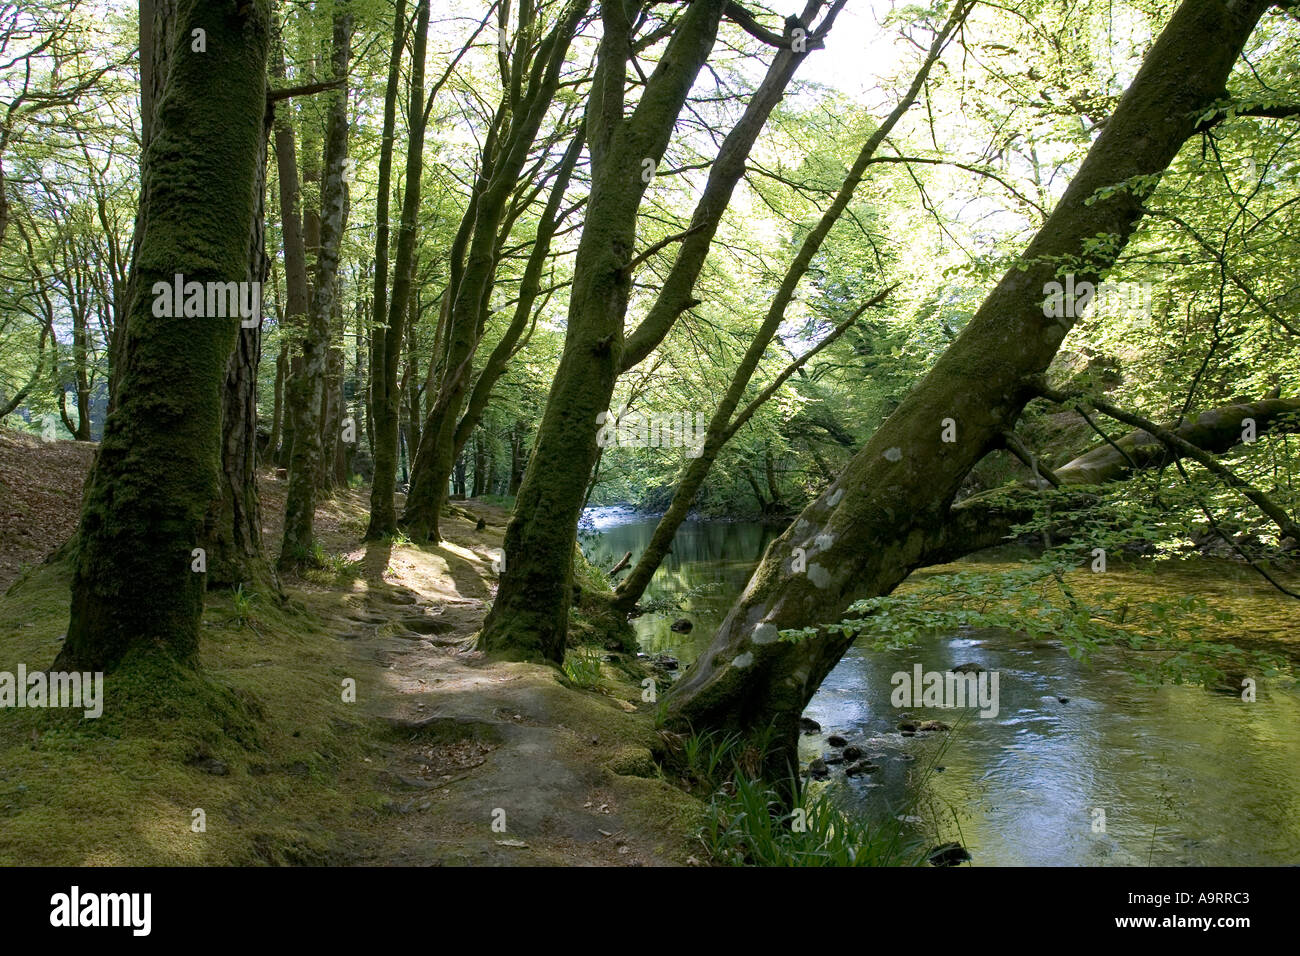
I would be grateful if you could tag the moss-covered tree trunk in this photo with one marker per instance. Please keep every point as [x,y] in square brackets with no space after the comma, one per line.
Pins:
[233,538]
[529,86]
[390,317]
[443,460]
[888,509]
[307,391]
[530,616]
[134,583]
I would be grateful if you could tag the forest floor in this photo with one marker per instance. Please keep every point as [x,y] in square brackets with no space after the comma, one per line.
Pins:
[444,757]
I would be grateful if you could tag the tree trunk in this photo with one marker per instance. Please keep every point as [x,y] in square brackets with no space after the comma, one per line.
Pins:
[530,616]
[458,477]
[295,256]
[156,473]
[501,166]
[331,422]
[877,522]
[480,464]
[518,459]
[307,392]
[390,318]
[277,409]
[773,483]
[80,350]
[233,537]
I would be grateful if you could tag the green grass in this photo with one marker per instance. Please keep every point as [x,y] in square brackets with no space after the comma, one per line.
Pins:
[748,826]
[242,603]
[333,569]
[748,823]
[122,789]
[582,668]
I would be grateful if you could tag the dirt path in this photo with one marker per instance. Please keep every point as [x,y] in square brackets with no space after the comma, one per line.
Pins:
[472,761]
[495,763]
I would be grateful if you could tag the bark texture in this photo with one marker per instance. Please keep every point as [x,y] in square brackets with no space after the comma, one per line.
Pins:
[157,473]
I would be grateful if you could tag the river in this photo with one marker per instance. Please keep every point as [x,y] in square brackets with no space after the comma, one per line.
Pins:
[1084,764]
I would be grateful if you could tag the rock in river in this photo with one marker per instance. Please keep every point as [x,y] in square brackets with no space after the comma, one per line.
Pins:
[860,767]
[948,854]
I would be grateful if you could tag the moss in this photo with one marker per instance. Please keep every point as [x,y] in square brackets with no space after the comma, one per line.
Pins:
[633,762]
[121,790]
[587,576]
[673,815]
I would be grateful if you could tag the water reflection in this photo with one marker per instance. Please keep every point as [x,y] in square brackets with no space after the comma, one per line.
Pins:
[1083,765]
[708,566]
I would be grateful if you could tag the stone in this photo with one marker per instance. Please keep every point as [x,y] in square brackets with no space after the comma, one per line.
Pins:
[948,854]
[859,767]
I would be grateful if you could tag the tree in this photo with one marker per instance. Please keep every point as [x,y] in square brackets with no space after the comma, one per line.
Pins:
[307,389]
[389,328]
[137,583]
[887,512]
[530,615]
[725,421]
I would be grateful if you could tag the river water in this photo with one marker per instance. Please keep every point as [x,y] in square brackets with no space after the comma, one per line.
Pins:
[1084,764]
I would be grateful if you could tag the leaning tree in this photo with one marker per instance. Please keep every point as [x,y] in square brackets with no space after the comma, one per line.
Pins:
[892,509]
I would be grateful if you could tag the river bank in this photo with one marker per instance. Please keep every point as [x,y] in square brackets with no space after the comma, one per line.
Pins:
[1089,761]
